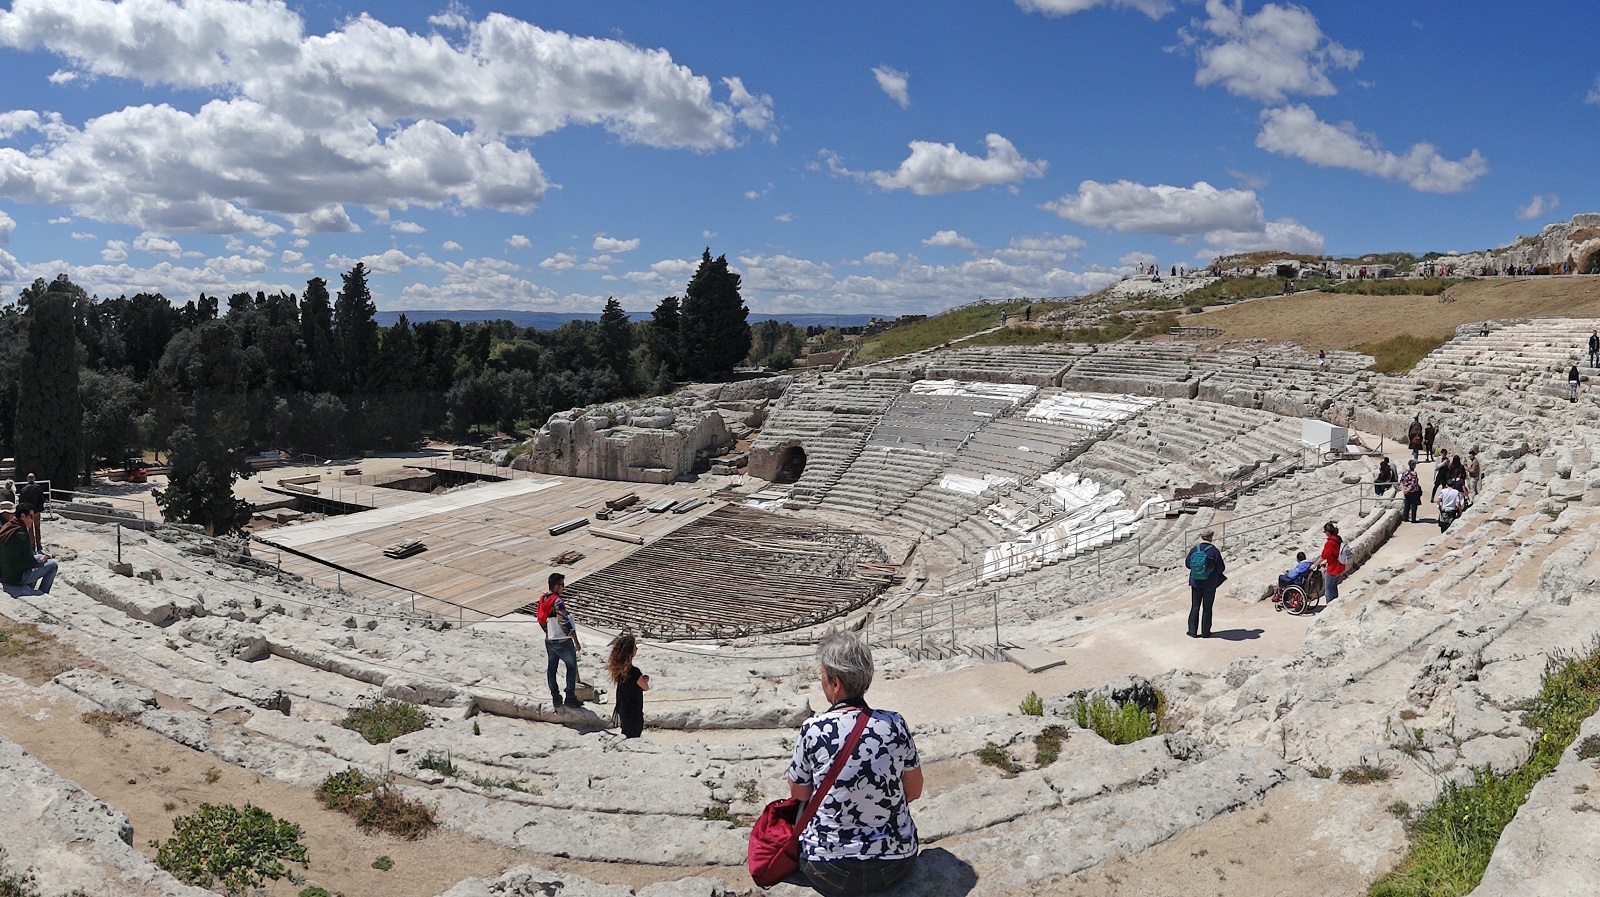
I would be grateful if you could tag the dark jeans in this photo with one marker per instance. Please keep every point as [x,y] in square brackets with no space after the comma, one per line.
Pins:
[562,651]
[1200,600]
[37,581]
[1330,585]
[1413,502]
[834,878]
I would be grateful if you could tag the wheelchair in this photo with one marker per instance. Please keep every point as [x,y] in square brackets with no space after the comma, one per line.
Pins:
[1301,596]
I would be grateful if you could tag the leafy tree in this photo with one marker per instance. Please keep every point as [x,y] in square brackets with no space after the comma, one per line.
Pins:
[49,429]
[316,339]
[775,344]
[716,332]
[477,399]
[312,423]
[208,452]
[665,343]
[110,424]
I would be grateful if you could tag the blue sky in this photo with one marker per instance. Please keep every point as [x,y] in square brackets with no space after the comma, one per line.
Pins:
[846,157]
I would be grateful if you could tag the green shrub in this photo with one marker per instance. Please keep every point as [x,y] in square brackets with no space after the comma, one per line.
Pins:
[381,722]
[314,891]
[374,805]
[996,756]
[1365,773]
[1033,705]
[239,848]
[1454,838]
[383,863]
[1116,723]
[439,763]
[1047,745]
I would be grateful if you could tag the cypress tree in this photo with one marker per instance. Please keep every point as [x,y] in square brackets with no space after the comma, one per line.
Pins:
[616,343]
[49,423]
[716,332]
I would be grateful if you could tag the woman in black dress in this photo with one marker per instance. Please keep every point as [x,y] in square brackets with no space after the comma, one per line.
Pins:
[631,685]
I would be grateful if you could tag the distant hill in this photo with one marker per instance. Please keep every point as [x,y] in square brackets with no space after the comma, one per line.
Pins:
[549,320]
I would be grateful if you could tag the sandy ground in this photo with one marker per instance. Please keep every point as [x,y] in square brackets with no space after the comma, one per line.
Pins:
[1318,320]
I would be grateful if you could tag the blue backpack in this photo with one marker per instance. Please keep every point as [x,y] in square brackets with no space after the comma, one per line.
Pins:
[1199,564]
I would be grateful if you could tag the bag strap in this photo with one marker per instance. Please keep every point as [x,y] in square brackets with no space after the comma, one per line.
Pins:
[815,803]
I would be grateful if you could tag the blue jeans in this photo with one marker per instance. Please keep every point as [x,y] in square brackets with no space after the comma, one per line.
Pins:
[835,878]
[562,651]
[1330,585]
[36,581]
[1200,601]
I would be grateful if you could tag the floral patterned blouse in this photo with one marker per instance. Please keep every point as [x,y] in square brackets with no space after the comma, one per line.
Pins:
[865,815]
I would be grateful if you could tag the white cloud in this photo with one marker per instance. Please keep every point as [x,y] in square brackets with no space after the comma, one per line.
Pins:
[406,227]
[64,219]
[1155,9]
[603,243]
[290,257]
[149,242]
[300,125]
[1295,131]
[602,262]
[1053,250]
[518,241]
[949,239]
[1541,204]
[892,82]
[450,246]
[1286,234]
[234,265]
[934,168]
[1280,50]
[561,261]
[1173,211]
[1593,97]
[785,217]
[83,235]
[1136,259]
[886,259]
[114,251]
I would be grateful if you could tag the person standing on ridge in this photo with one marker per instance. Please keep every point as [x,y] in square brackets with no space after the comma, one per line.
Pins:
[1572,383]
[1411,491]
[1331,563]
[1429,434]
[560,642]
[1594,349]
[1206,567]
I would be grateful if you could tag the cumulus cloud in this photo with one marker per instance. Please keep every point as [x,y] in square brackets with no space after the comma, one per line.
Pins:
[1296,132]
[149,242]
[934,168]
[1279,50]
[1155,9]
[784,218]
[1040,249]
[561,261]
[603,243]
[1286,234]
[949,239]
[1137,260]
[885,259]
[367,114]
[518,241]
[1540,204]
[450,246]
[1593,97]
[892,82]
[1162,209]
[114,251]
[406,227]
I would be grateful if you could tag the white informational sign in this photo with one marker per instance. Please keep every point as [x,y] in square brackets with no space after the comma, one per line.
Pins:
[1323,435]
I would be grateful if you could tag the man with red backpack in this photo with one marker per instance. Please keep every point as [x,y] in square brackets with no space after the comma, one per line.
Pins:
[560,641]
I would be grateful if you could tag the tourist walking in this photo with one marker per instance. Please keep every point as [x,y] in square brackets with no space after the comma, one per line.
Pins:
[1414,436]
[1594,349]
[1572,383]
[1333,560]
[1385,479]
[1206,568]
[1475,471]
[560,642]
[631,685]
[30,505]
[1429,434]
[1411,491]
[1451,504]
[861,838]
[1441,475]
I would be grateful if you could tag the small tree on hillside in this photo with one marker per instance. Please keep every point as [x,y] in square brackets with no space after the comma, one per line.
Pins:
[716,332]
[207,448]
[664,343]
[49,424]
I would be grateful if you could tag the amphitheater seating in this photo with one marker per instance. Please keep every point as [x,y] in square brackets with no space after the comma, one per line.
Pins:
[832,421]
[1003,364]
[1135,368]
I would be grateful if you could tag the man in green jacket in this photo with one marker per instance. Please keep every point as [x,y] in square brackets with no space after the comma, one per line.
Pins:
[22,571]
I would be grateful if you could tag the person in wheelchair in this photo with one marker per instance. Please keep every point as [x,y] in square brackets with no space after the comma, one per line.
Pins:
[1297,575]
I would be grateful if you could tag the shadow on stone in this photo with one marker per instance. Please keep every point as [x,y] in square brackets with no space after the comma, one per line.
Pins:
[938,873]
[1238,635]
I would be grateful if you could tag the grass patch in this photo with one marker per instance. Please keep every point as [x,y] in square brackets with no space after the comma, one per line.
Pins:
[1393,286]
[1032,705]
[439,763]
[943,328]
[103,720]
[240,849]
[314,891]
[374,805]
[381,722]
[508,784]
[1322,772]
[21,640]
[718,812]
[1454,838]
[1399,354]
[383,863]
[1047,745]
[1116,723]
[1365,774]
[1589,748]
[1221,292]
[993,755]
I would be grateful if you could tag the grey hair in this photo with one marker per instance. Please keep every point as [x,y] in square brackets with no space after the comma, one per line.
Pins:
[848,659]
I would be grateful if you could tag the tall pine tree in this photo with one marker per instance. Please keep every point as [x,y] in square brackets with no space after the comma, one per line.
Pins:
[716,333]
[316,338]
[355,330]
[49,422]
[208,447]
[616,343]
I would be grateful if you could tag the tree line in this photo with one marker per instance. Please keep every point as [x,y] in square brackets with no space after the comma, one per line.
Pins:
[86,380]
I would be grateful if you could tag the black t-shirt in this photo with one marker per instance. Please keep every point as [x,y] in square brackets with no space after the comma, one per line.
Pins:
[630,703]
[31,496]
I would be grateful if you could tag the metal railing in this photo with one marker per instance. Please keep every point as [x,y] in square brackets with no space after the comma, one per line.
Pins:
[967,624]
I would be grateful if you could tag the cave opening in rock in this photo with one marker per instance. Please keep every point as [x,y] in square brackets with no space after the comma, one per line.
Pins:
[791,465]
[1590,263]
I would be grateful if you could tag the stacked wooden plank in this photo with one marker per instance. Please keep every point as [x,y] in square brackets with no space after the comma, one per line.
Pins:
[405,549]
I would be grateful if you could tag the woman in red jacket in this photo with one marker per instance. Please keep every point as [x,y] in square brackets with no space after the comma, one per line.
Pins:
[1332,570]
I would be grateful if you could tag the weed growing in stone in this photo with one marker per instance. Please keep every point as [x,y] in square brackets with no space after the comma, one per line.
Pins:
[748,790]
[1322,772]
[314,891]
[439,763]
[718,812]
[1116,723]
[1589,748]
[238,848]
[383,863]
[381,722]
[1047,745]
[103,720]
[1365,773]
[374,805]
[996,756]
[1454,838]
[1033,705]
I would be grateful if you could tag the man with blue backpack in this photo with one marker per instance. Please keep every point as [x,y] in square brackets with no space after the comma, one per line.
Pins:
[1205,575]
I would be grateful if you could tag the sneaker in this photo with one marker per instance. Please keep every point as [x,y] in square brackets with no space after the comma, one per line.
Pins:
[574,703]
